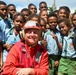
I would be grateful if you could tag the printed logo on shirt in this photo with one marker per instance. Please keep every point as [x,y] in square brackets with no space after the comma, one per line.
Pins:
[71,47]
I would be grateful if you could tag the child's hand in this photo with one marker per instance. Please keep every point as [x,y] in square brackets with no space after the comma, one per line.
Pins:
[25,71]
[56,63]
[8,46]
[54,36]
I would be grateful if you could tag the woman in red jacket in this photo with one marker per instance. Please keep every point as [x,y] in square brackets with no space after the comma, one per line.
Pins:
[27,57]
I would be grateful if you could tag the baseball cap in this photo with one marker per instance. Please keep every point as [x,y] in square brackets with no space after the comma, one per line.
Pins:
[32,24]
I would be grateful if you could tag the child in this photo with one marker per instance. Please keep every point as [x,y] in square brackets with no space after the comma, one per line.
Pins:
[73,19]
[27,57]
[62,12]
[43,29]
[43,6]
[32,8]
[26,12]
[43,24]
[53,44]
[4,24]
[12,36]
[34,17]
[44,14]
[11,9]
[68,11]
[67,64]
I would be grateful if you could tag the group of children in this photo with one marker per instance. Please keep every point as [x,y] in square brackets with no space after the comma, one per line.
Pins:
[37,44]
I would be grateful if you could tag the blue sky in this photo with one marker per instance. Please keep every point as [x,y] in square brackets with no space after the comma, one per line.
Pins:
[24,3]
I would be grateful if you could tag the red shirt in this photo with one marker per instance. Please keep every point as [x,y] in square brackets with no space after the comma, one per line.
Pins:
[23,56]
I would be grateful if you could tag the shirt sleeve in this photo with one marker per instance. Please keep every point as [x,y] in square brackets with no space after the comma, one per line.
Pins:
[10,66]
[44,67]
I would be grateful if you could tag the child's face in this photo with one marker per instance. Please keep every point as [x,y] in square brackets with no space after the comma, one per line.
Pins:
[11,10]
[52,21]
[64,29]
[32,36]
[33,9]
[43,25]
[18,22]
[3,11]
[26,14]
[74,20]
[62,14]
[44,15]
[43,7]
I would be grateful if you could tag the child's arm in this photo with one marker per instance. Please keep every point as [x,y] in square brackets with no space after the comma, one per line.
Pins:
[7,46]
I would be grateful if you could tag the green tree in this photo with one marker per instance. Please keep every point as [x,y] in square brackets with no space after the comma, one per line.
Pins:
[75,10]
[50,9]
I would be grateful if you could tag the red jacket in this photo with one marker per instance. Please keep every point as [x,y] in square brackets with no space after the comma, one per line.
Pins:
[23,56]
